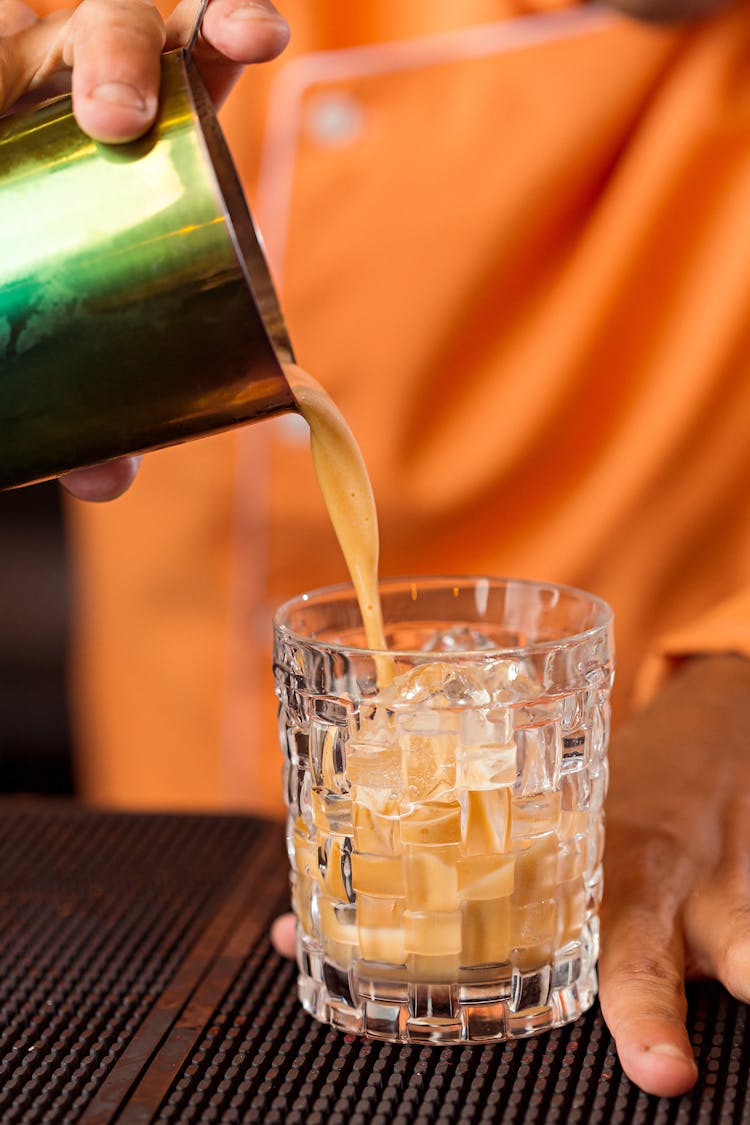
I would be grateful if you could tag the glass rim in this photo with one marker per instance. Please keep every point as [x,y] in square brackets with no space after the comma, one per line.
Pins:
[437,581]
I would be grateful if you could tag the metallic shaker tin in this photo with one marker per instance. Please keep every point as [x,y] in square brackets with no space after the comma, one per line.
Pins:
[136,307]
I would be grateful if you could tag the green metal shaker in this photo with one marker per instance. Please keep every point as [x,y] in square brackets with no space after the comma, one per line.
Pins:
[136,306]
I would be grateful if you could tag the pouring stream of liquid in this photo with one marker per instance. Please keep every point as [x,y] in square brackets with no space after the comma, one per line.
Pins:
[348,496]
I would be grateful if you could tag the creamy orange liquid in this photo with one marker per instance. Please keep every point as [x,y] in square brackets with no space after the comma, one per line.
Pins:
[449,872]
[347,492]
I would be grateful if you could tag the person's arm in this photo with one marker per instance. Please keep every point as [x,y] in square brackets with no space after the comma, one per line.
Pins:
[109,50]
[677,865]
[677,884]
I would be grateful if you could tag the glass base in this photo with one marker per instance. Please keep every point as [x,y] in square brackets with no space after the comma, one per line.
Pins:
[507,1004]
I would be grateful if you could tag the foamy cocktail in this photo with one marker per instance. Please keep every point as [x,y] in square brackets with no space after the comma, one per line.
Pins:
[445,799]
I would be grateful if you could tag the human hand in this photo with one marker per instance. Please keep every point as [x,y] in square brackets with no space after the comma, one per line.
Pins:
[677,880]
[108,52]
[677,877]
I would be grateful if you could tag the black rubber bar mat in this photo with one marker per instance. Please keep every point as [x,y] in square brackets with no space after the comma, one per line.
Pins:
[137,986]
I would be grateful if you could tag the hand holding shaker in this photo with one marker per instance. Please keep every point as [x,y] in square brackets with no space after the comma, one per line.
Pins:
[136,306]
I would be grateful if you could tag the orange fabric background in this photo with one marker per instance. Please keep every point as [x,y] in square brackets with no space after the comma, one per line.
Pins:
[521,270]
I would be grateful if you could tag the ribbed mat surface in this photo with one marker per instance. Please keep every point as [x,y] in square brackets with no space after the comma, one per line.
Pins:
[137,985]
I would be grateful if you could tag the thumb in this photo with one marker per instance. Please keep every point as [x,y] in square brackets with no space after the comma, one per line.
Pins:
[233,34]
[642,969]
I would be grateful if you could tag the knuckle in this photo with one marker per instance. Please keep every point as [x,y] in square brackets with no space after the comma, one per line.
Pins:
[740,918]
[650,869]
[735,967]
[650,972]
[138,18]
[14,16]
[657,848]
[8,92]
[649,969]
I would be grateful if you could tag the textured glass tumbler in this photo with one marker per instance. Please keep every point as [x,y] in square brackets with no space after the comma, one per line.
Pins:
[445,805]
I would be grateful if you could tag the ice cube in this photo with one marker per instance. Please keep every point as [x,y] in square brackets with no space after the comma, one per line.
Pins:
[535,869]
[486,876]
[535,815]
[304,850]
[485,821]
[432,933]
[374,767]
[335,863]
[428,764]
[486,726]
[572,907]
[458,638]
[487,767]
[572,856]
[485,931]
[381,937]
[328,756]
[509,680]
[331,812]
[431,877]
[434,822]
[376,825]
[419,765]
[378,875]
[338,920]
[539,758]
[533,930]
[439,684]
[305,891]
[372,723]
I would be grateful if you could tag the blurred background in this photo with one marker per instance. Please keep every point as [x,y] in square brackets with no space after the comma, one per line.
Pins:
[35,743]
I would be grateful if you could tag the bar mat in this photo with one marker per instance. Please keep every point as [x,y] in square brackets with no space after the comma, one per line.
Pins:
[137,986]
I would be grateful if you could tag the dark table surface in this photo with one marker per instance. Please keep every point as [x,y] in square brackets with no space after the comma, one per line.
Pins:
[137,985]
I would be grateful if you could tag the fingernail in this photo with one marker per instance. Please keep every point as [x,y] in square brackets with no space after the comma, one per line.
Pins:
[671,1051]
[119,93]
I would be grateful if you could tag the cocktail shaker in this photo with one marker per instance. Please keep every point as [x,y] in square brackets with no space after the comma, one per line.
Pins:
[136,306]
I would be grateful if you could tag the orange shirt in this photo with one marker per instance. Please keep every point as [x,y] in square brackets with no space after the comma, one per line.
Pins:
[513,244]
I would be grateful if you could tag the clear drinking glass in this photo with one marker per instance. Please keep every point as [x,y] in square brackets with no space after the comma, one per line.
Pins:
[445,824]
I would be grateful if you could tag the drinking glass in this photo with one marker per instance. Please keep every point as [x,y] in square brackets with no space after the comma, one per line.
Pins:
[445,805]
